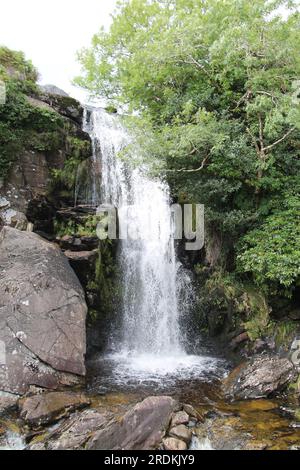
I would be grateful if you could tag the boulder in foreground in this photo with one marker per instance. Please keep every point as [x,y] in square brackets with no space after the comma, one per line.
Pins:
[42,315]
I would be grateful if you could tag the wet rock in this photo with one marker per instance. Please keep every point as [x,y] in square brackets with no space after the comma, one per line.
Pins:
[46,408]
[259,378]
[42,315]
[181,417]
[190,410]
[170,443]
[141,428]
[77,430]
[223,433]
[8,403]
[181,432]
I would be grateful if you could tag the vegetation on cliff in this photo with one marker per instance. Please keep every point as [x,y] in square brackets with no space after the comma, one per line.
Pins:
[23,126]
[34,121]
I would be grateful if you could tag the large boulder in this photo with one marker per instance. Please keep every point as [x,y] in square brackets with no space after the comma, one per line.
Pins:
[74,432]
[259,377]
[42,315]
[45,408]
[141,428]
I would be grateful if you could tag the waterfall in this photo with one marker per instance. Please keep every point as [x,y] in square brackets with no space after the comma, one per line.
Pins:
[150,269]
[156,290]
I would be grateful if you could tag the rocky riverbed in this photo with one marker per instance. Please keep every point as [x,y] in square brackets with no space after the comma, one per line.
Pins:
[197,416]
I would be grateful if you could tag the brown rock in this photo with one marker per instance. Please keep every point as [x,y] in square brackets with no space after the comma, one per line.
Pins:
[190,410]
[81,256]
[170,443]
[141,428]
[73,433]
[42,409]
[181,417]
[181,432]
[8,403]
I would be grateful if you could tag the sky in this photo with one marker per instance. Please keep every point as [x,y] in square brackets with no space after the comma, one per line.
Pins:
[51,32]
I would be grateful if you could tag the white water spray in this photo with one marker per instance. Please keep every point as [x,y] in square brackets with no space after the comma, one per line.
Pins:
[152,276]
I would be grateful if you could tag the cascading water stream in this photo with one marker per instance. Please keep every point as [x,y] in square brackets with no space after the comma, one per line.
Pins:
[153,278]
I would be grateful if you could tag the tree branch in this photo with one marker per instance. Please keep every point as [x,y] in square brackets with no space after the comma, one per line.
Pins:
[186,170]
[269,147]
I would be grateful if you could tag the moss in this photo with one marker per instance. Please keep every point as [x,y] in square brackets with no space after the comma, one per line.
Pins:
[295,387]
[106,285]
[229,306]
[283,332]
[23,126]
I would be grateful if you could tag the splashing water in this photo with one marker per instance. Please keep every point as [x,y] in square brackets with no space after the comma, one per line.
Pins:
[153,278]
[12,441]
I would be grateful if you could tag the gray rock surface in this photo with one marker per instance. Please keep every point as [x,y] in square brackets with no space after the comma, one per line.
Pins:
[259,378]
[172,444]
[141,428]
[74,433]
[46,408]
[181,432]
[8,403]
[42,315]
[181,417]
[145,426]
[53,90]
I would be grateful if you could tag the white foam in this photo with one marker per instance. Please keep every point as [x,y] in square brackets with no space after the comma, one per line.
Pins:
[164,370]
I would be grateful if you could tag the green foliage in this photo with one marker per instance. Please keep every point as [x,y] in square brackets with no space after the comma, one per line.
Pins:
[272,252]
[23,126]
[216,89]
[14,63]
[86,228]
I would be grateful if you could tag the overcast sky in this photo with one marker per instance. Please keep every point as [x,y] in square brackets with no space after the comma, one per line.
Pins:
[50,33]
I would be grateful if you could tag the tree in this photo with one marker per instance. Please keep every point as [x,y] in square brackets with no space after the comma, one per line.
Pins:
[216,86]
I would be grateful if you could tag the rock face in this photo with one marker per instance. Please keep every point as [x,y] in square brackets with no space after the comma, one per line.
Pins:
[31,177]
[7,403]
[144,427]
[42,315]
[46,408]
[75,432]
[11,217]
[259,378]
[141,428]
[53,90]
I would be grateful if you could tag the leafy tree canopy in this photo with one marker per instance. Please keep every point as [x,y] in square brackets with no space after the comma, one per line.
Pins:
[216,87]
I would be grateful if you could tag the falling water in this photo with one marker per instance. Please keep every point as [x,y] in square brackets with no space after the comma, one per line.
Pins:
[152,276]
